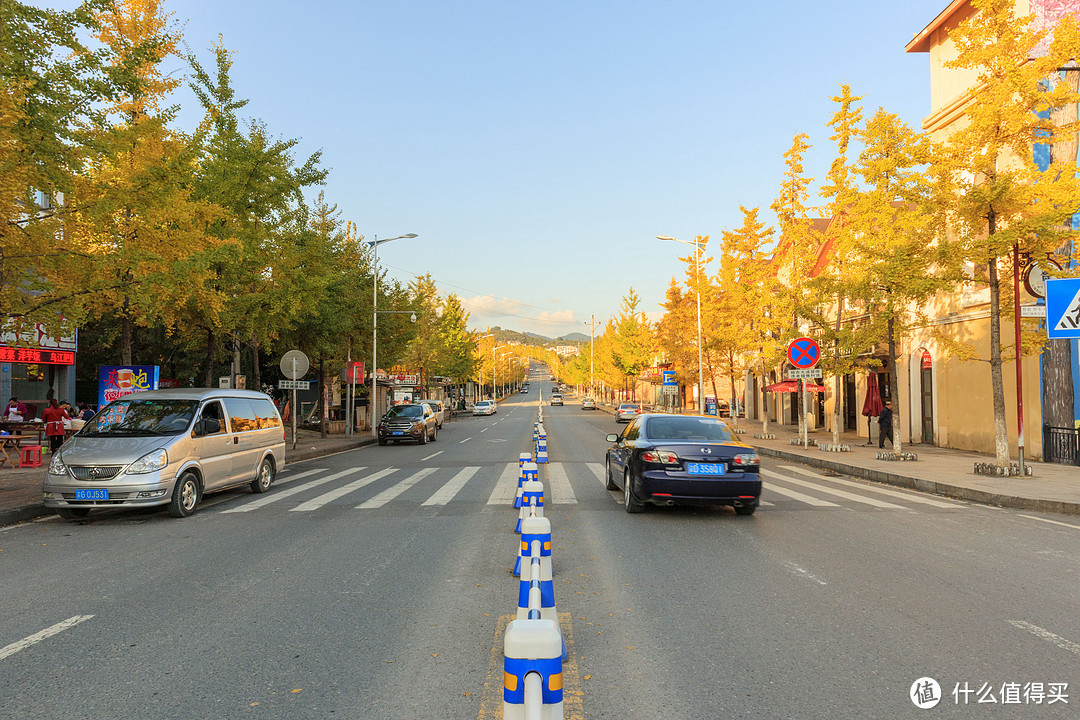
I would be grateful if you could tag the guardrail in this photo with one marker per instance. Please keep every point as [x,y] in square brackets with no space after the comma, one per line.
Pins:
[533,644]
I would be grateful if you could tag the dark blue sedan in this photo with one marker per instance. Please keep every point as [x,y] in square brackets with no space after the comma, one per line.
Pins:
[683,460]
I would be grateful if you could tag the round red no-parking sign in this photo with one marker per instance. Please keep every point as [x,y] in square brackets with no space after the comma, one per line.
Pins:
[803,353]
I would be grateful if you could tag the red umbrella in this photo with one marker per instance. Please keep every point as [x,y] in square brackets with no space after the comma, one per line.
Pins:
[785,386]
[872,404]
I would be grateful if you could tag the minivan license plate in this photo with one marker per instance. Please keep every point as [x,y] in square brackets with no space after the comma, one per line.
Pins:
[705,468]
[92,494]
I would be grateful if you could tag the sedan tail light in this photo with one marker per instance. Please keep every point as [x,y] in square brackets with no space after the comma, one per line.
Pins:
[663,457]
[746,460]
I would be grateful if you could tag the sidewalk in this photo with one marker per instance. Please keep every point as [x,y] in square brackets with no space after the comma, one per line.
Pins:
[20,488]
[1051,487]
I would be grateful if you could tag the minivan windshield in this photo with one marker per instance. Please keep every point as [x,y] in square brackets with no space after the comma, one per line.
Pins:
[131,417]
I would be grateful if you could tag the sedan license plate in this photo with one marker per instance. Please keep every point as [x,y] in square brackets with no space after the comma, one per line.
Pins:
[92,494]
[705,468]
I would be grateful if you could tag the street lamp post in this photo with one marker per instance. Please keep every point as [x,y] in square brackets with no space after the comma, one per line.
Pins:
[697,277]
[374,245]
[592,328]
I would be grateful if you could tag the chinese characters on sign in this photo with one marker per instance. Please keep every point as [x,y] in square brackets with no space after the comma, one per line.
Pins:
[116,381]
[40,357]
[32,344]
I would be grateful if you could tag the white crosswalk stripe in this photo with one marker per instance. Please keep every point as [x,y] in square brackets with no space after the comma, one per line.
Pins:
[506,488]
[559,491]
[277,495]
[909,496]
[808,499]
[392,492]
[316,503]
[447,492]
[818,487]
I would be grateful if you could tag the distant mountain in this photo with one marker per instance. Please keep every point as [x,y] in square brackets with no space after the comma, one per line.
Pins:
[575,337]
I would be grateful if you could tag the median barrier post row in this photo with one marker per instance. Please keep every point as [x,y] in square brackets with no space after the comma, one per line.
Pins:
[533,646]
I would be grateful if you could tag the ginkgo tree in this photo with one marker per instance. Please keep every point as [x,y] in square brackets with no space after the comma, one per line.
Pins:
[994,198]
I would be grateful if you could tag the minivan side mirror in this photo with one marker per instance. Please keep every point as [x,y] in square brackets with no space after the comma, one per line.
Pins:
[207,426]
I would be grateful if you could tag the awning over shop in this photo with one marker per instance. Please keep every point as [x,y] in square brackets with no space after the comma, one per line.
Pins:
[793,386]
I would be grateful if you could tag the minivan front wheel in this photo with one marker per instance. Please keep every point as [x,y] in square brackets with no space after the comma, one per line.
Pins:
[185,497]
[264,478]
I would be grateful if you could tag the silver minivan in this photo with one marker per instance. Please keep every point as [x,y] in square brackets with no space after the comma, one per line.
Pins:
[167,447]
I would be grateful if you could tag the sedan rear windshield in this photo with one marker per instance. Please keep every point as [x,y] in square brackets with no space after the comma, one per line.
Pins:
[134,418]
[406,411]
[691,429]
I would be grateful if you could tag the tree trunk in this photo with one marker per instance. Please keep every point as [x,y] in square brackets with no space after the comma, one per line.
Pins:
[1057,387]
[324,398]
[256,371]
[125,336]
[1001,436]
[764,402]
[894,384]
[210,358]
[838,396]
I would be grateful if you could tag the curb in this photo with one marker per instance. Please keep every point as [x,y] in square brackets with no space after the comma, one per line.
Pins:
[11,516]
[929,486]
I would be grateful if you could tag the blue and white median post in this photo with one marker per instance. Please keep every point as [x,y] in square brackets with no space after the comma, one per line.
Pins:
[532,501]
[528,474]
[532,671]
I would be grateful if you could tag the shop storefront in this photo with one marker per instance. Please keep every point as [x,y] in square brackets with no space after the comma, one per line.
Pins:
[36,367]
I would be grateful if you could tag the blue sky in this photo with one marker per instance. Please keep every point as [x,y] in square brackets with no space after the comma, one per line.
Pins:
[537,149]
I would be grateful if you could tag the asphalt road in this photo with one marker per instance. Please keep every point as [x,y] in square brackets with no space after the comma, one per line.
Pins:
[376,584]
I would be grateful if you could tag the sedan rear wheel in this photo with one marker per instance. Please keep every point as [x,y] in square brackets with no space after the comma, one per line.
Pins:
[632,504]
[610,484]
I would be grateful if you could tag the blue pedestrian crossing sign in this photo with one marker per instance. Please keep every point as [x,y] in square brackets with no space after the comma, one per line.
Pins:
[1063,308]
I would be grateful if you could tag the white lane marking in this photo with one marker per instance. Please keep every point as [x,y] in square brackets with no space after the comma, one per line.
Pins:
[392,492]
[432,455]
[1052,522]
[273,497]
[599,471]
[910,496]
[796,495]
[465,441]
[318,502]
[447,492]
[297,476]
[763,503]
[838,493]
[506,488]
[800,571]
[561,492]
[484,430]
[42,635]
[1047,636]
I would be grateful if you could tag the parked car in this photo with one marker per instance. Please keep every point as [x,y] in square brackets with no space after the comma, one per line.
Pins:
[167,447]
[439,409]
[556,399]
[682,460]
[484,407]
[588,404]
[413,421]
[627,412]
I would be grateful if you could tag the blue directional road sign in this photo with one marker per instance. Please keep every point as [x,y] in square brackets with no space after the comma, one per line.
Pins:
[803,353]
[1063,308]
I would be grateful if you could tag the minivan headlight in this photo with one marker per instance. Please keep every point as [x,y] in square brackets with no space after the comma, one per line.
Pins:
[149,462]
[56,465]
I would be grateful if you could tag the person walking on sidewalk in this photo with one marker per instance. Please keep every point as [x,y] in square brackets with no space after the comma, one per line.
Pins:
[885,424]
[54,417]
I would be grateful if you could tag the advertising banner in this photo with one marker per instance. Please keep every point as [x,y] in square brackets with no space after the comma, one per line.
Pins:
[115,381]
